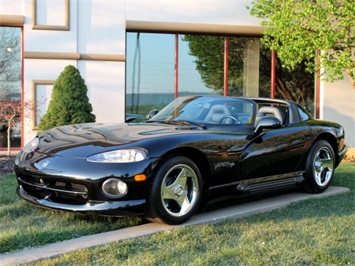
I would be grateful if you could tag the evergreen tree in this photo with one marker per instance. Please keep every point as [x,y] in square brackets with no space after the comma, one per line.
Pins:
[69,103]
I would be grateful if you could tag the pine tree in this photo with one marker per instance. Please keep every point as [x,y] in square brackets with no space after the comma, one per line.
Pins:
[69,103]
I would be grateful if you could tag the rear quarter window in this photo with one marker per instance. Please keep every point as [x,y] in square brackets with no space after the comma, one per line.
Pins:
[304,114]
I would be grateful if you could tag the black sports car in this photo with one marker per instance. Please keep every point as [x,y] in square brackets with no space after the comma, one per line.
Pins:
[196,150]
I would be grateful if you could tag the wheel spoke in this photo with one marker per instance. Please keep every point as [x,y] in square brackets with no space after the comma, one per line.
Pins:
[323,166]
[177,190]
[185,204]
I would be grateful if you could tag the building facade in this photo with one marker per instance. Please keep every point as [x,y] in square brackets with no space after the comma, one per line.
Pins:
[113,45]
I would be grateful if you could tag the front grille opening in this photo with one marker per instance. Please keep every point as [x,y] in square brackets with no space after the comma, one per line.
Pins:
[73,187]
[55,191]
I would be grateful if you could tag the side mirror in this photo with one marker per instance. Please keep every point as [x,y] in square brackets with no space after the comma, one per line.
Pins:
[267,122]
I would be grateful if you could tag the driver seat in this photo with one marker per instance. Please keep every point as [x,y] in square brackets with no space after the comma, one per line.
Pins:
[268,111]
[216,113]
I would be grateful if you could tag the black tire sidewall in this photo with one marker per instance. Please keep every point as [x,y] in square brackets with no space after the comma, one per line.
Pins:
[310,183]
[155,208]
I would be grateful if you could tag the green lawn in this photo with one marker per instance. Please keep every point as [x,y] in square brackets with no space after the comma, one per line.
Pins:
[23,225]
[312,232]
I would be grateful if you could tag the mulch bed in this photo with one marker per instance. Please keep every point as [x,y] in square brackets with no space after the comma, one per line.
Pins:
[350,155]
[6,165]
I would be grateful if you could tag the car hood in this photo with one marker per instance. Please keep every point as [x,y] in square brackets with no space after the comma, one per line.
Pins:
[83,139]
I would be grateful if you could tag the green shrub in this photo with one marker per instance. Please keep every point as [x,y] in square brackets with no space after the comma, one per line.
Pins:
[69,103]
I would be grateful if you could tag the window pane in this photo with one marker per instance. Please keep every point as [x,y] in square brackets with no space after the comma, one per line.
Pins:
[149,71]
[264,72]
[208,53]
[190,79]
[249,67]
[10,85]
[296,84]
[248,64]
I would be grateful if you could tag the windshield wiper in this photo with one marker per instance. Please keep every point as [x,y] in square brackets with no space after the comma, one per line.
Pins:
[188,122]
[158,121]
[178,122]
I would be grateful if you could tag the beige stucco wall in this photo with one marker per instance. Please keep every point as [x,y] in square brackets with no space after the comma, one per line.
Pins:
[338,105]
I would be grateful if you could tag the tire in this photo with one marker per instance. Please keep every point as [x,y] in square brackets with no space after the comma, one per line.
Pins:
[176,191]
[319,167]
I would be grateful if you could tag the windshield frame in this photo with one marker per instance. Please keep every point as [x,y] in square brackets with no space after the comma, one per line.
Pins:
[196,109]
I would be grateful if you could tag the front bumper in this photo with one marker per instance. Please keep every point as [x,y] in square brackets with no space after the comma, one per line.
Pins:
[341,153]
[112,208]
[73,184]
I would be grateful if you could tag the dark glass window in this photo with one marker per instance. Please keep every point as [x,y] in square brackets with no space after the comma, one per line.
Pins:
[152,63]
[296,85]
[162,66]
[304,115]
[10,86]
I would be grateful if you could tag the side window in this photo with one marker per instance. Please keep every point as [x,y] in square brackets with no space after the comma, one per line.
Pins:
[284,109]
[304,115]
[276,110]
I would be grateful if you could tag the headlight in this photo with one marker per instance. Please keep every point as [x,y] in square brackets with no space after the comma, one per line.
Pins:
[31,146]
[114,188]
[119,156]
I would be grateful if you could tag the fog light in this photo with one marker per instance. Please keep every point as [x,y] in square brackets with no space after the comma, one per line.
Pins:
[114,188]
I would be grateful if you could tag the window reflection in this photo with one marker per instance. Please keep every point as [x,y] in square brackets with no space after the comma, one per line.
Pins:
[150,72]
[10,86]
[151,63]
[296,85]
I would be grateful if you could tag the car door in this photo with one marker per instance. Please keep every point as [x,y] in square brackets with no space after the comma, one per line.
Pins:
[222,151]
[275,152]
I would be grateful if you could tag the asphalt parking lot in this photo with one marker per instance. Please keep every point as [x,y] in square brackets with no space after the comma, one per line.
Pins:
[216,216]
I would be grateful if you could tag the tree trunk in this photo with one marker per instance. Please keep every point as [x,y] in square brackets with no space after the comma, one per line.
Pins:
[9,138]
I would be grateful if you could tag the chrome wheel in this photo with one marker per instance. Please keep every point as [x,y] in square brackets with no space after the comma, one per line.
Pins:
[323,165]
[176,191]
[319,167]
[179,190]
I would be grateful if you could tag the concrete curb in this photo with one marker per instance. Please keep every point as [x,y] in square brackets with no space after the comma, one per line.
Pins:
[233,212]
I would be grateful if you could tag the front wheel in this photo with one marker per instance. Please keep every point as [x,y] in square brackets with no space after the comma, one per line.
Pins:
[319,167]
[176,191]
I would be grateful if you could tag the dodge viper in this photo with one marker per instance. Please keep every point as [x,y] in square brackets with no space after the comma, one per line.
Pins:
[196,150]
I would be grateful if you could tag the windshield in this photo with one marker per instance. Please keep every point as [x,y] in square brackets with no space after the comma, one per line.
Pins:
[208,110]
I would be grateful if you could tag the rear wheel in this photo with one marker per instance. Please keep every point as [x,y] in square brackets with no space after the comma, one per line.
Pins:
[176,191]
[320,167]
